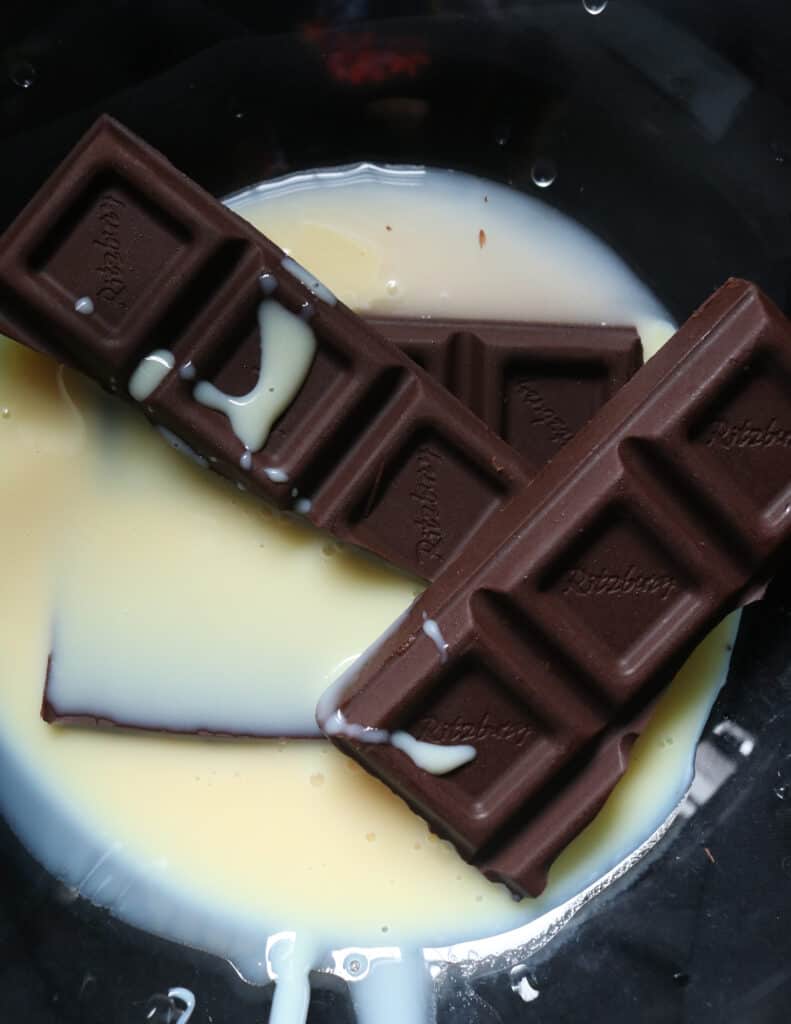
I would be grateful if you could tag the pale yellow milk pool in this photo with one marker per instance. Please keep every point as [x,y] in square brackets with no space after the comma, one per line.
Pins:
[219,843]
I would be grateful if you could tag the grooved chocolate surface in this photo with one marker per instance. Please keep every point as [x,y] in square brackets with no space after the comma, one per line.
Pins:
[570,371]
[533,384]
[387,458]
[567,615]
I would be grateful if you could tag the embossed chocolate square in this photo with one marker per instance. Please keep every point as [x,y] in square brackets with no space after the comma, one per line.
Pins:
[535,385]
[570,611]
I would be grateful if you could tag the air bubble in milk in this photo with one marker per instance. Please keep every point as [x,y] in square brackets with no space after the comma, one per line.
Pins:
[5,412]
[543,172]
[391,287]
[355,964]
[594,6]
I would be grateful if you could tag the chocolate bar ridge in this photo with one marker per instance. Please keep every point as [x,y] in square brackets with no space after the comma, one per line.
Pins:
[120,257]
[533,384]
[566,616]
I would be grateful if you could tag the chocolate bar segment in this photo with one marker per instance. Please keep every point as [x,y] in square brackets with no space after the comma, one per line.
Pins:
[127,270]
[568,614]
[533,384]
[586,361]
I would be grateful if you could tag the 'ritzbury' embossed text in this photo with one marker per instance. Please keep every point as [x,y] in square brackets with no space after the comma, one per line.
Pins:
[748,435]
[461,730]
[110,267]
[543,413]
[632,583]
[427,514]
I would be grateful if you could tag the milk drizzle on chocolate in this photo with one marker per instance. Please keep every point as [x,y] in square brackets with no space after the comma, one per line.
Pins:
[150,373]
[434,758]
[288,346]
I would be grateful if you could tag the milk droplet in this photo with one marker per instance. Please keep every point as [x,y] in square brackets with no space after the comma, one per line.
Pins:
[84,305]
[268,283]
[502,135]
[23,74]
[594,6]
[781,792]
[543,173]
[182,997]
[522,985]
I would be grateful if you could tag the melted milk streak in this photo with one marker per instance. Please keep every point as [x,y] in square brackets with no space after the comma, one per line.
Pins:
[287,348]
[221,843]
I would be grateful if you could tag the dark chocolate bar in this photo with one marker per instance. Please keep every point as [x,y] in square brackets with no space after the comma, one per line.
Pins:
[124,268]
[533,384]
[540,382]
[546,644]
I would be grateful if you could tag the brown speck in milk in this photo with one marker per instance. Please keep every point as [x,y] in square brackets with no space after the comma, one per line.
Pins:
[388,228]
[371,837]
[486,199]
[317,779]
[481,238]
[709,854]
